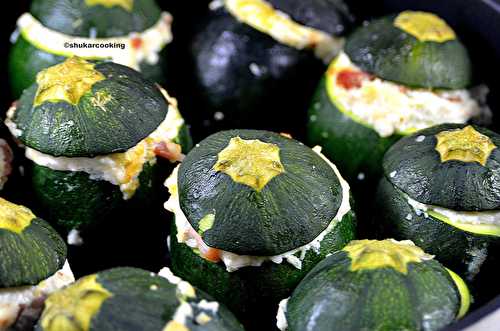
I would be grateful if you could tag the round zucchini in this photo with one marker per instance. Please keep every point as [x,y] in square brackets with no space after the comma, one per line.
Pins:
[136,32]
[415,49]
[263,210]
[376,285]
[440,190]
[133,299]
[362,105]
[31,250]
[86,146]
[242,70]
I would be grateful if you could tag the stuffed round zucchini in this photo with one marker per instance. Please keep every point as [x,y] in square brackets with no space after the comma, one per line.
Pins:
[254,212]
[441,190]
[397,75]
[134,299]
[93,132]
[32,264]
[255,60]
[130,32]
[376,285]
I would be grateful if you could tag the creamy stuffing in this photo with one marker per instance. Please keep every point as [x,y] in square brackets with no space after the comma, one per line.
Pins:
[281,322]
[121,169]
[139,47]
[186,310]
[391,108]
[13,300]
[186,233]
[489,217]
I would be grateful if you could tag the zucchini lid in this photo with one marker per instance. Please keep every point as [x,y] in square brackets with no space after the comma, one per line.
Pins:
[328,16]
[415,49]
[257,193]
[382,285]
[102,18]
[131,299]
[30,249]
[455,166]
[82,108]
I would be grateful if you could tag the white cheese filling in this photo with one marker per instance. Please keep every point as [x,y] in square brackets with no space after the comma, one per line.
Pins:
[12,300]
[233,261]
[121,169]
[485,222]
[185,310]
[281,322]
[391,108]
[139,47]
[260,15]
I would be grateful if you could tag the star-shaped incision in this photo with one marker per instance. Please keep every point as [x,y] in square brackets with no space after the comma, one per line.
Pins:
[389,253]
[128,5]
[250,162]
[67,81]
[424,26]
[466,145]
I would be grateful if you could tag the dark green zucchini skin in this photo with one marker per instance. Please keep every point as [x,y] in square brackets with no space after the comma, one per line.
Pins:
[107,223]
[332,297]
[390,53]
[184,139]
[268,222]
[333,17]
[26,60]
[94,132]
[220,78]
[459,250]
[353,147]
[134,306]
[31,256]
[73,200]
[254,291]
[59,15]
[457,185]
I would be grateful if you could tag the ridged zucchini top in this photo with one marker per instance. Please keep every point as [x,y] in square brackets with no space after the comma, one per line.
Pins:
[377,285]
[455,166]
[416,49]
[263,193]
[99,18]
[82,108]
[133,299]
[30,249]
